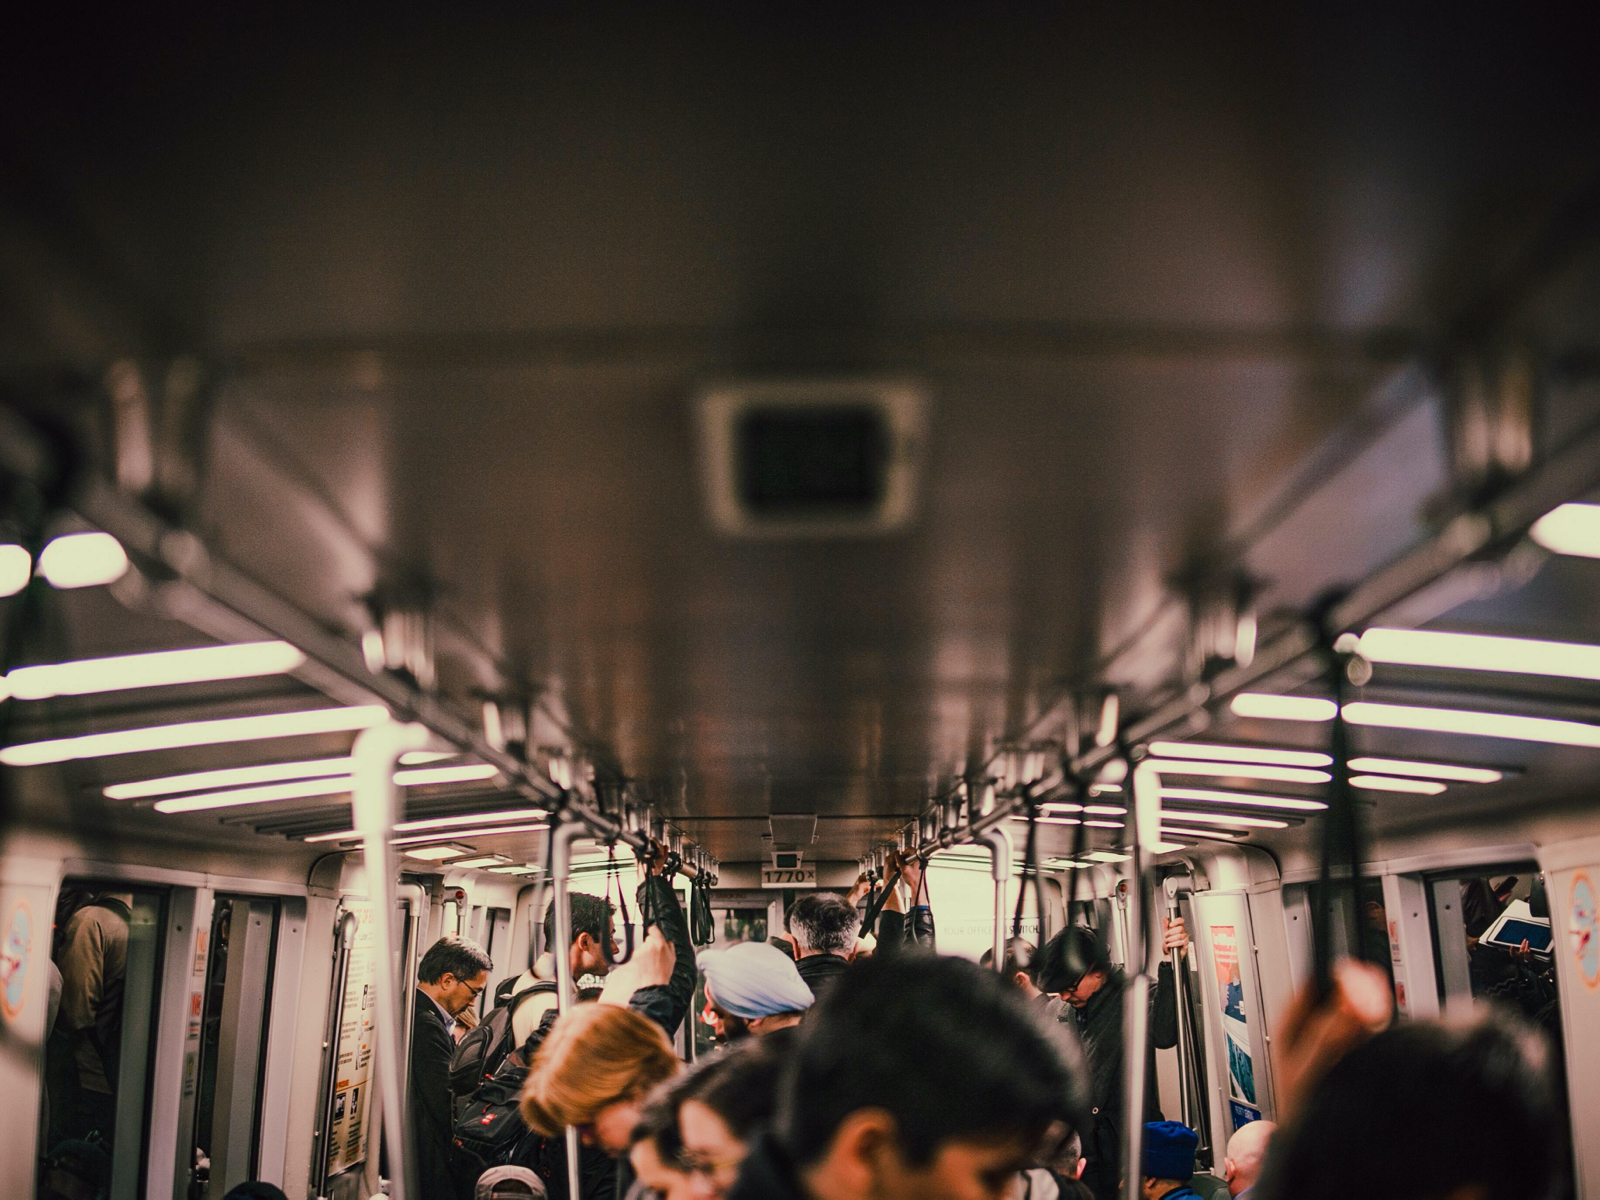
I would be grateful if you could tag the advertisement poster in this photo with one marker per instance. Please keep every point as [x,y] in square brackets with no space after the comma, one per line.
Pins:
[1236,1029]
[347,1144]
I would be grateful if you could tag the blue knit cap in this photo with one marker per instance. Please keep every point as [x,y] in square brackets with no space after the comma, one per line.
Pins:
[753,980]
[1169,1148]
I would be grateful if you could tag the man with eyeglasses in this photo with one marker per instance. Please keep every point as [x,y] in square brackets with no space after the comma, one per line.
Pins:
[450,978]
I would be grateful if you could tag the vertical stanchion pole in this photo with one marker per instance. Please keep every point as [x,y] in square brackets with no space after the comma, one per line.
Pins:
[561,839]
[999,843]
[377,806]
[1144,818]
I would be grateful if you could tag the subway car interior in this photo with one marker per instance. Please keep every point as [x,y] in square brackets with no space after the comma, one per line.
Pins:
[1139,464]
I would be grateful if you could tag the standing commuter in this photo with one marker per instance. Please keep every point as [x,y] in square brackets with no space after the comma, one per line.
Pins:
[919,1078]
[824,926]
[94,966]
[450,977]
[1168,1165]
[752,989]
[533,992]
[1020,969]
[898,928]
[1077,968]
[1247,1150]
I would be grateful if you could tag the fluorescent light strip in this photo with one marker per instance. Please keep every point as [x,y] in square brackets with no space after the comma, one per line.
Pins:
[1105,810]
[1242,771]
[461,774]
[1390,783]
[1107,856]
[1511,726]
[1228,819]
[1182,831]
[227,777]
[195,733]
[301,789]
[1426,770]
[483,860]
[1569,529]
[1238,754]
[76,560]
[438,853]
[163,668]
[423,838]
[1169,847]
[1480,652]
[465,819]
[16,568]
[514,870]
[1105,824]
[1061,806]
[1248,799]
[412,758]
[1282,708]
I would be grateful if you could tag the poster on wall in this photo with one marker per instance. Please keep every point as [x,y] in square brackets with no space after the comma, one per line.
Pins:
[1244,1106]
[347,1138]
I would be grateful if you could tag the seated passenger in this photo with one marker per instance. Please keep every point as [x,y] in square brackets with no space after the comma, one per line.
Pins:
[824,927]
[1428,1103]
[752,988]
[1247,1150]
[919,1078]
[1168,1161]
[593,1071]
[508,1183]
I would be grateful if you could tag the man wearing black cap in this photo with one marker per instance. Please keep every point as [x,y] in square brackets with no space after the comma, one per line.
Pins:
[1169,1161]
[1075,966]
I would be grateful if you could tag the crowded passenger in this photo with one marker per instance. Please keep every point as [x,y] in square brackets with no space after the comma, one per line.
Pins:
[722,1109]
[1167,1161]
[1021,970]
[450,977]
[1247,1151]
[1429,1104]
[752,989]
[1077,967]
[590,951]
[916,1078]
[909,921]
[824,926]
[1059,1179]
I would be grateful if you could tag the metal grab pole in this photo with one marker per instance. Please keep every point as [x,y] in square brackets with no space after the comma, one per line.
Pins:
[1191,1096]
[1144,825]
[998,840]
[344,937]
[377,806]
[561,839]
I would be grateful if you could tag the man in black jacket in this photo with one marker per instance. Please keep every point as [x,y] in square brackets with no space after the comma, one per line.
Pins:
[451,975]
[1076,967]
[824,926]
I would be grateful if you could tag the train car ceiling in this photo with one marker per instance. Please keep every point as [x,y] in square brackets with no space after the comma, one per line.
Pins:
[790,429]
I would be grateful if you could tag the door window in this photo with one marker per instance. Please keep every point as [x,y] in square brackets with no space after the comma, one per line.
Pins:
[233,1040]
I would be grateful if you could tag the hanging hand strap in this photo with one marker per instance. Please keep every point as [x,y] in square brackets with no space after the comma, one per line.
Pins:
[622,907]
[1074,961]
[1030,864]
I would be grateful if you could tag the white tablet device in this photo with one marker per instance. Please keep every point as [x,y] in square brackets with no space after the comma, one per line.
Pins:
[1517,925]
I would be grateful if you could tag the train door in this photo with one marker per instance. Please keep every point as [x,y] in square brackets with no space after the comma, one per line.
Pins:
[1232,1013]
[234,1021]
[497,942]
[108,952]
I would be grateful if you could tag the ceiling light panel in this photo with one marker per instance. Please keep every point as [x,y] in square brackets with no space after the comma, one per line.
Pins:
[1242,771]
[163,668]
[1282,708]
[430,775]
[483,860]
[1480,652]
[1511,726]
[1231,820]
[421,838]
[197,781]
[453,822]
[1570,529]
[1393,783]
[1427,770]
[438,853]
[1247,799]
[1240,754]
[195,733]
[16,568]
[76,560]
[300,789]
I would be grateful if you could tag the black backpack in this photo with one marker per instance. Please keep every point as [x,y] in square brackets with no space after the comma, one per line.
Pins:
[479,1055]
[489,1130]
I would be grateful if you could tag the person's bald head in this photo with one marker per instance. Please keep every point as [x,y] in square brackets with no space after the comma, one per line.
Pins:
[1247,1150]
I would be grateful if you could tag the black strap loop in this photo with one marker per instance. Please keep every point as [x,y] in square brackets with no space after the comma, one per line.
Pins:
[622,907]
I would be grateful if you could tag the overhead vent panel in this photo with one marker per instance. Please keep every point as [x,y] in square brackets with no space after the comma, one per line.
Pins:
[824,458]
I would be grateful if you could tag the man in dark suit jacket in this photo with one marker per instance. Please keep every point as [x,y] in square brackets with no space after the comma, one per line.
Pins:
[451,975]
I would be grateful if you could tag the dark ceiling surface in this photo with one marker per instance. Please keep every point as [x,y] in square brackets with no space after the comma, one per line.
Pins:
[1173,281]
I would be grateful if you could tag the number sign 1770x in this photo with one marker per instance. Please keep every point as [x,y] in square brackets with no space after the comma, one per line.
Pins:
[789,877]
